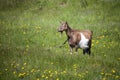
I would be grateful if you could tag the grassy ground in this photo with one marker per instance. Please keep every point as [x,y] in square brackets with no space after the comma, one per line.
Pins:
[29,41]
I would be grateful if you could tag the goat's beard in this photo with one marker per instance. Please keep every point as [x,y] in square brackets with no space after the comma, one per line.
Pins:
[61,33]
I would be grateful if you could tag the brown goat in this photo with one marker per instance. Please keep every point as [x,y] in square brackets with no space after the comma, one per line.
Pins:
[77,38]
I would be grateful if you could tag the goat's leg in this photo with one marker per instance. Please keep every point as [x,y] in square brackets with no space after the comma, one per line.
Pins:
[76,49]
[89,51]
[71,49]
[65,41]
[83,51]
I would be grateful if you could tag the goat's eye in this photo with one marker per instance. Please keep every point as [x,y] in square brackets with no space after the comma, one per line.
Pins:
[63,24]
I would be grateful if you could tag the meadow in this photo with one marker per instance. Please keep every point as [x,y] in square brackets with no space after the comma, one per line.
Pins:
[30,44]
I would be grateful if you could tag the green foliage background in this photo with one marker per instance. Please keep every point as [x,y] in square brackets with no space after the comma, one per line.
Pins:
[29,41]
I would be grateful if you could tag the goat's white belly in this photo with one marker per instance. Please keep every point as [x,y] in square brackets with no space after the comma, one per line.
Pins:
[83,42]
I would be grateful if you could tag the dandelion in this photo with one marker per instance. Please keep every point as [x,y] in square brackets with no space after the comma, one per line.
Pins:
[51,63]
[79,75]
[46,77]
[97,42]
[43,44]
[86,71]
[93,40]
[104,45]
[113,71]
[108,74]
[14,72]
[24,33]
[22,68]
[56,72]
[102,73]
[33,70]
[27,46]
[24,63]
[116,77]
[104,55]
[103,36]
[104,79]
[64,72]
[49,71]
[37,79]
[57,79]
[6,69]
[43,76]
[21,74]
[51,75]
[17,64]
[92,44]
[38,70]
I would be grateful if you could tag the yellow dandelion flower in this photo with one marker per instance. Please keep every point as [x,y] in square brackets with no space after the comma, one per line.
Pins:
[57,79]
[43,44]
[103,36]
[12,64]
[104,79]
[92,44]
[24,32]
[46,77]
[56,72]
[38,70]
[20,74]
[104,45]
[32,70]
[86,71]
[93,40]
[22,68]
[102,73]
[49,71]
[97,42]
[24,63]
[51,63]
[116,77]
[64,72]
[43,76]
[17,64]
[79,75]
[104,55]
[51,75]
[24,73]
[6,69]
[27,46]
[37,79]
[14,72]
[113,71]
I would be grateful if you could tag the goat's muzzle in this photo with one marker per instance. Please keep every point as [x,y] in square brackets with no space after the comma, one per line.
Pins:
[60,31]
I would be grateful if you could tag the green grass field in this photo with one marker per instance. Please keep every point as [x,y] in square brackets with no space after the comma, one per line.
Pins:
[29,41]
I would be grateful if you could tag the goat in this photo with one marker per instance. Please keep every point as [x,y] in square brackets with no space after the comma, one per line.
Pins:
[77,38]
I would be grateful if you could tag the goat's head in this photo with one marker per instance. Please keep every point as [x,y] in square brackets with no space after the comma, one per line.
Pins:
[63,27]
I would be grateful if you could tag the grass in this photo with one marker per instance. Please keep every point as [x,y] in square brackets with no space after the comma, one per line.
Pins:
[29,41]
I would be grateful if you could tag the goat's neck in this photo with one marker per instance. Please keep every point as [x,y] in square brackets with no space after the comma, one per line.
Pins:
[68,31]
